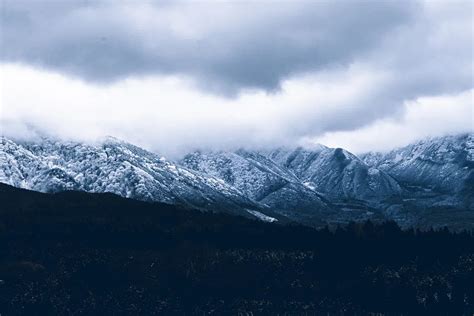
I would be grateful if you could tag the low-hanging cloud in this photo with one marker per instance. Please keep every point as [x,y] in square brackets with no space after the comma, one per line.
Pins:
[170,116]
[176,76]
[424,117]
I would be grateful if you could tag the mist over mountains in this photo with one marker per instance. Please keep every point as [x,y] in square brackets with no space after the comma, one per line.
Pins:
[426,184]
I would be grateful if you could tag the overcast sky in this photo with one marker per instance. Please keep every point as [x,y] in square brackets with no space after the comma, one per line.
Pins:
[175,76]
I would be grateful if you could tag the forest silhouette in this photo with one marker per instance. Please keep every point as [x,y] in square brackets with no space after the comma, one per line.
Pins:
[82,253]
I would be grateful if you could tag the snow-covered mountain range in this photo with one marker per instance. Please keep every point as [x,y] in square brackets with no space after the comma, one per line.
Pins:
[118,167]
[426,183]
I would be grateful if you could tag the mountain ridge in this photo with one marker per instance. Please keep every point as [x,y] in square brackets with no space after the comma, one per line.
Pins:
[115,167]
[311,186]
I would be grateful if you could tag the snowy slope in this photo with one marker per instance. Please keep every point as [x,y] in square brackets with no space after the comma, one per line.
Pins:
[442,163]
[441,168]
[117,167]
[336,172]
[262,180]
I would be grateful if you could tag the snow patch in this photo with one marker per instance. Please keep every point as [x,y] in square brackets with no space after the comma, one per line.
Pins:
[309,185]
[262,216]
[373,172]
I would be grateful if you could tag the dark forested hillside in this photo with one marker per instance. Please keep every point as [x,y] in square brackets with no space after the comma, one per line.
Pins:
[80,253]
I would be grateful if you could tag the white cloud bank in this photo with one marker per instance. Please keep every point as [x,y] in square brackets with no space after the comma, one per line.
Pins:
[170,115]
[424,117]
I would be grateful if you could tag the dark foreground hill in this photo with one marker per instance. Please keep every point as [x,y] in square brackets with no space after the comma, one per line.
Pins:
[100,254]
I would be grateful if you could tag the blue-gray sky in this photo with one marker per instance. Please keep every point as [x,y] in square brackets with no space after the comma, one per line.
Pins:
[173,74]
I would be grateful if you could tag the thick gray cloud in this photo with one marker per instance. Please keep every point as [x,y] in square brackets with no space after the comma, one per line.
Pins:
[225,46]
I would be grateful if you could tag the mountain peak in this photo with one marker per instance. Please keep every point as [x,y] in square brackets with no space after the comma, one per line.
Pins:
[111,139]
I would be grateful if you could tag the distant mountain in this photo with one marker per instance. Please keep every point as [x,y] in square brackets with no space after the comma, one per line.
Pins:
[337,173]
[441,165]
[429,183]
